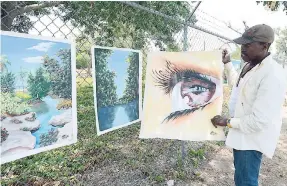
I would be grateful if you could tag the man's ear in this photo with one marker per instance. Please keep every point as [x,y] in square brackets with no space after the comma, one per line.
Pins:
[266,46]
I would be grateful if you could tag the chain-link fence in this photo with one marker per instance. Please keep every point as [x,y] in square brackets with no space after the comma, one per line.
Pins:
[169,26]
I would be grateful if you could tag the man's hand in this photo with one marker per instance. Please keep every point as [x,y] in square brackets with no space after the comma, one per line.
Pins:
[225,56]
[219,121]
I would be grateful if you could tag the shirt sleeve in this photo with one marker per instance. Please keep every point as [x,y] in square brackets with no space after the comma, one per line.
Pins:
[268,103]
[232,74]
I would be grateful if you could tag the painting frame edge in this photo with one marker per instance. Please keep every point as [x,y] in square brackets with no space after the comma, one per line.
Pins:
[93,47]
[74,140]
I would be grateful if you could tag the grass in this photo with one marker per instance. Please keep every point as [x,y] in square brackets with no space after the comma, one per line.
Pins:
[119,157]
[84,82]
[23,95]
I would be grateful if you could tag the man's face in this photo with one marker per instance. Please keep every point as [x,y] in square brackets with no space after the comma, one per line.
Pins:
[253,51]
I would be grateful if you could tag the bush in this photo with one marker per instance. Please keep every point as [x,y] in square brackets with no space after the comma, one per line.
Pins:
[7,82]
[24,96]
[38,85]
[82,60]
[13,105]
[64,104]
[49,138]
[4,134]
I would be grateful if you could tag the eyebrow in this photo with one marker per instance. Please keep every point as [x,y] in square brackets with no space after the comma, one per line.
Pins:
[168,78]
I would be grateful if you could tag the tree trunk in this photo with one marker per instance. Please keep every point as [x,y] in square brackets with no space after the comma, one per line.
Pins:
[11,11]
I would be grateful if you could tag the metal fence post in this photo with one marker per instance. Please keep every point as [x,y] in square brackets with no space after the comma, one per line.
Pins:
[185,46]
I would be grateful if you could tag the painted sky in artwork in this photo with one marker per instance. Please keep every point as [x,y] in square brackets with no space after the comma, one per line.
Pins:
[117,63]
[27,53]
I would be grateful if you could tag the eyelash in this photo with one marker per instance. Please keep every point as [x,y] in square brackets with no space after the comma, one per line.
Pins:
[169,77]
[180,113]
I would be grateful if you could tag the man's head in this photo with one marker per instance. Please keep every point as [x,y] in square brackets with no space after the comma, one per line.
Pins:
[255,42]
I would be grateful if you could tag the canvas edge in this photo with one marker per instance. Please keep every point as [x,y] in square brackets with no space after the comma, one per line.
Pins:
[95,89]
[74,140]
[99,133]
[74,91]
[39,37]
[145,135]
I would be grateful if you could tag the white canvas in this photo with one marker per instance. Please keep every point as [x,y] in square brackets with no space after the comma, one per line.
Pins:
[39,109]
[116,113]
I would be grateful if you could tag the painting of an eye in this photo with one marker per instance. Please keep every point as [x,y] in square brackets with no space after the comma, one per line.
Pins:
[189,90]
[183,92]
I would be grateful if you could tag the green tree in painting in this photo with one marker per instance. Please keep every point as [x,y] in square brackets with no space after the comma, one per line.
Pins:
[60,74]
[131,91]
[63,86]
[7,82]
[22,75]
[106,88]
[38,86]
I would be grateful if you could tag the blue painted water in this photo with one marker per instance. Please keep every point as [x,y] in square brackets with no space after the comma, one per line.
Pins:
[44,112]
[118,115]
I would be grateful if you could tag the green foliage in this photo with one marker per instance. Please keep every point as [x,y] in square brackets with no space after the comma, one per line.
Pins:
[24,96]
[60,74]
[49,138]
[83,82]
[82,60]
[109,22]
[159,178]
[131,91]
[7,82]
[281,45]
[197,153]
[106,88]
[38,85]
[13,105]
[274,5]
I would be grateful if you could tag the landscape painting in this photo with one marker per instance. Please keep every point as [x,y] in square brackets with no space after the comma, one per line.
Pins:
[117,87]
[183,91]
[38,95]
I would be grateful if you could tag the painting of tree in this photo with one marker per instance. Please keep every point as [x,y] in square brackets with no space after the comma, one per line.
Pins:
[38,85]
[60,74]
[106,88]
[132,81]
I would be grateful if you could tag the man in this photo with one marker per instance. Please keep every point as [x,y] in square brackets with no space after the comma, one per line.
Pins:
[256,103]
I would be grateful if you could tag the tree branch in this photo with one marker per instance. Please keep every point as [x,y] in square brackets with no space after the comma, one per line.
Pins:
[29,8]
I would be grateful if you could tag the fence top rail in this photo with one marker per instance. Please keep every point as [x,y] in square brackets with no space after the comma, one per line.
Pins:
[135,5]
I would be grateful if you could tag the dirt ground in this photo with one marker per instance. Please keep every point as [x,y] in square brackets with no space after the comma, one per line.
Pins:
[218,169]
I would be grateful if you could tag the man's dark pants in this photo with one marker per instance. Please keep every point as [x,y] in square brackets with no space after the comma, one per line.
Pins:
[247,166]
